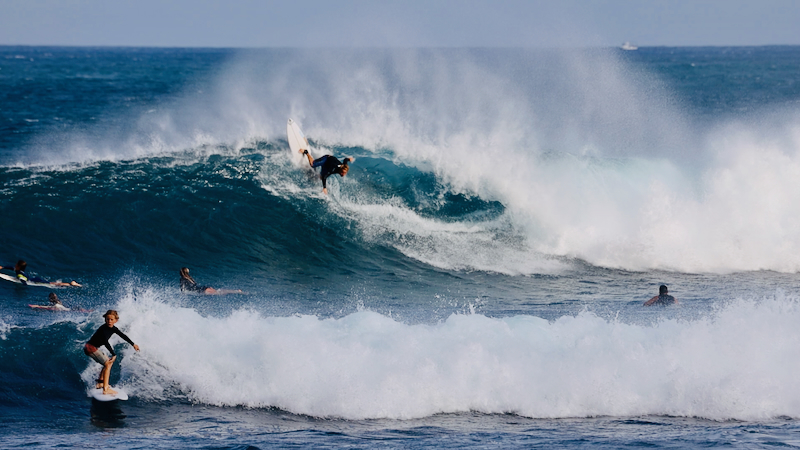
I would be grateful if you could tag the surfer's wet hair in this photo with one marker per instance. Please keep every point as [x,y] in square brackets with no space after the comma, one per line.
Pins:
[342,169]
[111,312]
[22,265]
[662,289]
[185,274]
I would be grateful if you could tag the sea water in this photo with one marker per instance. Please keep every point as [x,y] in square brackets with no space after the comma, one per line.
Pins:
[477,279]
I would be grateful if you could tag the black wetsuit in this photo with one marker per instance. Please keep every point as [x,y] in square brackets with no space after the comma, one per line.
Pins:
[103,334]
[664,300]
[329,165]
[191,286]
[24,278]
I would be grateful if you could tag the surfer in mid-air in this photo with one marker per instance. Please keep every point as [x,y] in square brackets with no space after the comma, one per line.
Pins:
[329,166]
[662,299]
[19,270]
[100,339]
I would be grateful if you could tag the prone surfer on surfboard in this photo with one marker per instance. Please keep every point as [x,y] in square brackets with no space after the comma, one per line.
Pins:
[330,165]
[100,339]
[19,270]
[189,285]
[55,303]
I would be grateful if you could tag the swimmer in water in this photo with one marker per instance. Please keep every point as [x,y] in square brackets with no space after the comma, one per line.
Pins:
[662,299]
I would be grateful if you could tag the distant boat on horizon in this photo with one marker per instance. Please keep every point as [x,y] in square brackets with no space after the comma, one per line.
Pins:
[629,46]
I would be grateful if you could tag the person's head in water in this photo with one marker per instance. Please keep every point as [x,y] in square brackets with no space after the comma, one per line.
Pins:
[21,265]
[662,290]
[53,298]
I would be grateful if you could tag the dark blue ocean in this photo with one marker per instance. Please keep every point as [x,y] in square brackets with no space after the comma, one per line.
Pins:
[476,280]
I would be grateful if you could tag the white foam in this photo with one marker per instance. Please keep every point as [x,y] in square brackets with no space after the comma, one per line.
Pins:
[591,159]
[4,329]
[740,363]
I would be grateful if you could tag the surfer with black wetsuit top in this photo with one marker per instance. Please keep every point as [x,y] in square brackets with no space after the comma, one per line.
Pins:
[329,165]
[100,339]
[662,299]
[19,271]
[189,285]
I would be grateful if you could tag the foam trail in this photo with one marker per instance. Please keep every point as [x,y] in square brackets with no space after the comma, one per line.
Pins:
[740,363]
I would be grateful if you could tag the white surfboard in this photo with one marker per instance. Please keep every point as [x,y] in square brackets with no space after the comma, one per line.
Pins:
[50,307]
[60,308]
[98,395]
[29,283]
[297,140]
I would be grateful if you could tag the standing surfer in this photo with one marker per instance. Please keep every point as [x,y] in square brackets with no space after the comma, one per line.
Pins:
[100,339]
[330,165]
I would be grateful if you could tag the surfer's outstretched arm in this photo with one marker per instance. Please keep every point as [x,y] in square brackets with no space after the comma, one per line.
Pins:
[308,155]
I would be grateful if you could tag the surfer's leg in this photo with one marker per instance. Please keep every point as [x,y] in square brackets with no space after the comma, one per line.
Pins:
[62,284]
[229,291]
[99,357]
[317,162]
[107,375]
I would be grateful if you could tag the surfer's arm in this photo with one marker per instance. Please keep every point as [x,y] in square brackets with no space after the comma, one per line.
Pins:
[310,159]
[651,301]
[125,337]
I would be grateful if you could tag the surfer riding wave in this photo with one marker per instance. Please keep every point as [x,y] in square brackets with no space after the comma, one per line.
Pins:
[329,165]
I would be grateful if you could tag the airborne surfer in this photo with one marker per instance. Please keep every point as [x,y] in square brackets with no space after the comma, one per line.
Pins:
[329,165]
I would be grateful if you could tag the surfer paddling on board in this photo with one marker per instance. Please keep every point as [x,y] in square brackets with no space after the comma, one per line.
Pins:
[189,285]
[99,339]
[662,299]
[55,302]
[19,270]
[330,165]
[56,305]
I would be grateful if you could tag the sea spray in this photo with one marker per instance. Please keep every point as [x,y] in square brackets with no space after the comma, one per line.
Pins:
[737,363]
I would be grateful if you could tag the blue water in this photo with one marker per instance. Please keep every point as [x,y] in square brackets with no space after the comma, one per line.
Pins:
[476,280]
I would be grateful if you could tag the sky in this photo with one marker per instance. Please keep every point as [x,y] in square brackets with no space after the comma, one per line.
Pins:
[400,23]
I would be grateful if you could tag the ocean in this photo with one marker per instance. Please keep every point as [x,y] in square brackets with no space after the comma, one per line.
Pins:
[476,280]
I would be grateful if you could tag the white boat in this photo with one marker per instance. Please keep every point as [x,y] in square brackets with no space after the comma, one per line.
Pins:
[629,46]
